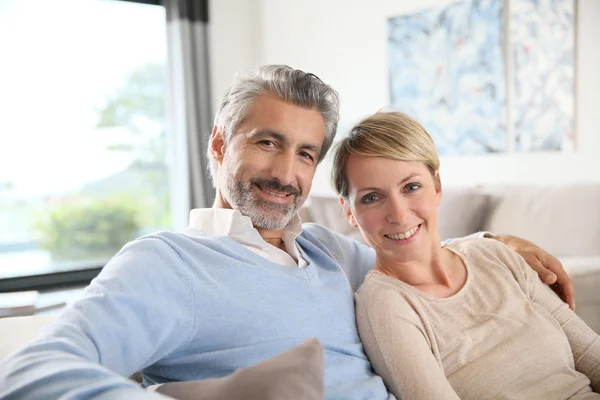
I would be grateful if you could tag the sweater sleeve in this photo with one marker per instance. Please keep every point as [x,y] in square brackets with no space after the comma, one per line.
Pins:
[397,346]
[584,342]
[356,259]
[138,310]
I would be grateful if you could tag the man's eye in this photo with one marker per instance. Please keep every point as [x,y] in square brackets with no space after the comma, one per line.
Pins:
[307,156]
[267,143]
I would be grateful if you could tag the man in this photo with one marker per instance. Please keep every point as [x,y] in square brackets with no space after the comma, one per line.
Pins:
[244,283]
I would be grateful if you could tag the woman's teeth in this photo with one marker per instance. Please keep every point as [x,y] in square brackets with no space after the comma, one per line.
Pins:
[402,236]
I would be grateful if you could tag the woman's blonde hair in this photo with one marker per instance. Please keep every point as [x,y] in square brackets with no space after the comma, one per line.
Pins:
[391,135]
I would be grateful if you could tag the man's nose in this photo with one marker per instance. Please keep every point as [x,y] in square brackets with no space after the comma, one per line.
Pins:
[283,168]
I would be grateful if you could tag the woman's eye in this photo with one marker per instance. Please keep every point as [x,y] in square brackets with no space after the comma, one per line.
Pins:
[368,199]
[411,187]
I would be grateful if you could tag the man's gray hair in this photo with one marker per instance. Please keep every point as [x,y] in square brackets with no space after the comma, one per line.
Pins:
[291,86]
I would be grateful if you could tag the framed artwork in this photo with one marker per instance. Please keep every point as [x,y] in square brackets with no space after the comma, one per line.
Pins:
[487,76]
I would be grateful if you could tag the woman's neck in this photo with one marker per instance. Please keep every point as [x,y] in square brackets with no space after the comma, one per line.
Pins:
[441,273]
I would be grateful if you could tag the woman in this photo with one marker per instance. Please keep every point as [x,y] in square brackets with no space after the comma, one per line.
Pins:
[467,320]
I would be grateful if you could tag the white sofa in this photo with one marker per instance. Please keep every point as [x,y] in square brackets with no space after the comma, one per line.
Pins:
[564,220]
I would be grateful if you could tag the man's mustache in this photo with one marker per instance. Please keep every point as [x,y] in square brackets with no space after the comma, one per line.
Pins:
[275,185]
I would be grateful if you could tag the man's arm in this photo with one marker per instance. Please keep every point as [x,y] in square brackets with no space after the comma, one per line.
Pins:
[137,311]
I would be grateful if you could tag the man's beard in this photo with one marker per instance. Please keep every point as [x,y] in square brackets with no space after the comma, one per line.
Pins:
[263,213]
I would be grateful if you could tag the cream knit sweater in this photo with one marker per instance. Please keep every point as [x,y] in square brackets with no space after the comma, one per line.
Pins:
[504,335]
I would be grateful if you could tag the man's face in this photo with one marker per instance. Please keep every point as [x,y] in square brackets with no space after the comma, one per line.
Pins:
[266,169]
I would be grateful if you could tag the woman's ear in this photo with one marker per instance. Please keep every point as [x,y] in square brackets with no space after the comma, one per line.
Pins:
[348,212]
[438,186]
[217,145]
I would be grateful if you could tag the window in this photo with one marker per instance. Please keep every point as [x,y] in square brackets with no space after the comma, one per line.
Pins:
[83,145]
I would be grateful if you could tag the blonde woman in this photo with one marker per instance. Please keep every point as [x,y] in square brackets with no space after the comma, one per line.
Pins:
[468,320]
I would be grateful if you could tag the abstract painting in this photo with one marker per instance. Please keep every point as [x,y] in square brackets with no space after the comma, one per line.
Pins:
[448,70]
[542,37]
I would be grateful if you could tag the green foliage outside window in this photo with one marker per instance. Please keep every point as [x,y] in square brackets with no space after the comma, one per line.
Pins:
[88,230]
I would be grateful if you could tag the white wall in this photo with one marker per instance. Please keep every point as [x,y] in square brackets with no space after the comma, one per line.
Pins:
[233,40]
[344,42]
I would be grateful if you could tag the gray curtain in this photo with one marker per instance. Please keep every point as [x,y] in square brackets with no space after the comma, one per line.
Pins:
[189,103]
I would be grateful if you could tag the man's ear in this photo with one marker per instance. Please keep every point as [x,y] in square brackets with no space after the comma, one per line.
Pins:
[438,186]
[348,212]
[217,145]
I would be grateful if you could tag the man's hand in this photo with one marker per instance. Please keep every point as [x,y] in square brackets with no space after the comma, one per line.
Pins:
[546,265]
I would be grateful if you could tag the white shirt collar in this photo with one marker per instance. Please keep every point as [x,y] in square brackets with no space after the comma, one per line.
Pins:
[231,223]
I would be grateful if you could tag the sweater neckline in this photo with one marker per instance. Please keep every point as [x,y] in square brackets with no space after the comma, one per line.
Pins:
[405,286]
[309,272]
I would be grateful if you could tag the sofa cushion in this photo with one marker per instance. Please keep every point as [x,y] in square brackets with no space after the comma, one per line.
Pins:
[562,220]
[17,331]
[294,374]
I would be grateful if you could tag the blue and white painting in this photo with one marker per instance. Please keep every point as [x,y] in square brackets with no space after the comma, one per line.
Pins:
[447,70]
[542,36]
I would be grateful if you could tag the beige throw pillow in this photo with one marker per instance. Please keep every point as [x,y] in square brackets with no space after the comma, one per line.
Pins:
[296,374]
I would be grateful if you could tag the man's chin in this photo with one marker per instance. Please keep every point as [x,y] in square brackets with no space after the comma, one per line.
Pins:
[270,220]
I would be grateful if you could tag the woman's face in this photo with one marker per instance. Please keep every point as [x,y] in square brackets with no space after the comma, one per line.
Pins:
[394,204]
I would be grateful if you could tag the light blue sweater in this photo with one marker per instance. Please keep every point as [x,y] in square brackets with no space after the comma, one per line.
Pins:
[193,306]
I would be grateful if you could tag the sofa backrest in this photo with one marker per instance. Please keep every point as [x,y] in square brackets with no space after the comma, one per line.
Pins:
[564,220]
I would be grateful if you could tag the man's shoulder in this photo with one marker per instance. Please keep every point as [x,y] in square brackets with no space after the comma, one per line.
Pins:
[176,247]
[184,238]
[321,236]
[317,231]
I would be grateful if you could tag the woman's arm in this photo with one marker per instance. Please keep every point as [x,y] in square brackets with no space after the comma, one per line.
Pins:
[398,349]
[548,267]
[584,342]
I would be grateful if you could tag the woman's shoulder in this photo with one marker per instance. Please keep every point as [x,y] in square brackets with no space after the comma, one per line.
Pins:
[380,292]
[482,249]
[491,257]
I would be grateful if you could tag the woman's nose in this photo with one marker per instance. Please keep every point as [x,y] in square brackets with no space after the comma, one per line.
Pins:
[398,212]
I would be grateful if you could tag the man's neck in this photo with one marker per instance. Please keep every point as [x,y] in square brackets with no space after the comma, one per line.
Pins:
[272,237]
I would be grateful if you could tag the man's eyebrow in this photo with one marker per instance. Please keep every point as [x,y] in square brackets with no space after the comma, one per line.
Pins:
[268,133]
[409,177]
